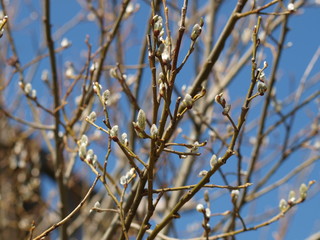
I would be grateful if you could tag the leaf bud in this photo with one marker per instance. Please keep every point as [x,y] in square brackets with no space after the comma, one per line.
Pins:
[303,191]
[28,88]
[92,116]
[234,195]
[187,101]
[84,140]
[114,132]
[202,173]
[141,120]
[220,99]
[196,31]
[200,207]
[292,196]
[82,151]
[213,160]
[262,87]
[154,131]
[283,205]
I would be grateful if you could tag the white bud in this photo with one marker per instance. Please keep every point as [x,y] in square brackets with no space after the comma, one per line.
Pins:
[262,87]
[90,155]
[283,205]
[141,120]
[291,7]
[234,195]
[113,73]
[105,96]
[129,174]
[21,85]
[200,207]
[208,212]
[65,43]
[303,191]
[154,131]
[129,9]
[226,109]
[196,31]
[84,140]
[114,131]
[124,138]
[97,87]
[213,160]
[93,116]
[187,101]
[132,171]
[82,151]
[93,66]
[69,70]
[28,88]
[166,54]
[289,44]
[123,180]
[220,99]
[45,75]
[202,173]
[97,204]
[195,146]
[34,93]
[262,75]
[161,77]
[292,196]
[157,23]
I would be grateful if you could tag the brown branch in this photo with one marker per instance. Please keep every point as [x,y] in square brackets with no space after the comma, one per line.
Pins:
[68,217]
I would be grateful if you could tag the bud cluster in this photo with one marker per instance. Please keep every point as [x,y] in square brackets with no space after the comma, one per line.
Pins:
[188,101]
[205,211]
[126,179]
[157,25]
[28,90]
[85,155]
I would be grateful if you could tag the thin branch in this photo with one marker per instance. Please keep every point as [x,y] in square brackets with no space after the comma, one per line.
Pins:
[68,217]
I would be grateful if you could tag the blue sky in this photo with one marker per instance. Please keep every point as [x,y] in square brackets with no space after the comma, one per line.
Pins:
[303,35]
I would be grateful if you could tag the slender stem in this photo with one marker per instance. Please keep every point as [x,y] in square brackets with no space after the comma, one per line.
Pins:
[59,158]
[70,215]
